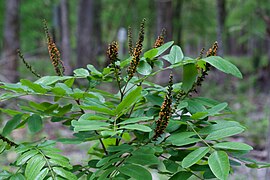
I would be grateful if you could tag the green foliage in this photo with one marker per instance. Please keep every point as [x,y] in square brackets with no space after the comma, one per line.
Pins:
[141,128]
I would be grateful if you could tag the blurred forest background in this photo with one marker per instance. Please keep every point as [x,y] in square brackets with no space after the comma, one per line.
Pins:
[82,29]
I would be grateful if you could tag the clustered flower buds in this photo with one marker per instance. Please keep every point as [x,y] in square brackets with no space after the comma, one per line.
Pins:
[160,39]
[204,72]
[136,52]
[28,66]
[112,52]
[165,112]
[54,53]
[130,44]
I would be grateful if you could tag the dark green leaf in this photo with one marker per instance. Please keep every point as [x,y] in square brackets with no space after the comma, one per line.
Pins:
[183,175]
[43,173]
[194,156]
[223,65]
[219,164]
[135,171]
[183,138]
[128,101]
[190,73]
[12,124]
[34,123]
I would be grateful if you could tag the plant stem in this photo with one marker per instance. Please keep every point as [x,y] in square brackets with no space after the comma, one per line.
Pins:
[47,162]
[199,135]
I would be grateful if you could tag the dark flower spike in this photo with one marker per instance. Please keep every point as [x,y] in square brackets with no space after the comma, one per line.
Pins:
[112,52]
[160,39]
[130,43]
[28,66]
[136,52]
[165,112]
[54,53]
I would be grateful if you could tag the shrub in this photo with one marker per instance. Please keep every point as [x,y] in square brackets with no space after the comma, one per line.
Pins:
[142,128]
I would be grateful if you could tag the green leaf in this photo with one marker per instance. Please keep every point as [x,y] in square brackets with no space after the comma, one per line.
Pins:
[43,173]
[163,48]
[136,119]
[143,156]
[144,68]
[81,72]
[34,165]
[17,176]
[190,73]
[34,123]
[223,65]
[22,159]
[233,146]
[176,55]
[135,171]
[194,156]
[58,159]
[217,108]
[3,146]
[183,138]
[183,175]
[138,127]
[12,124]
[219,164]
[69,82]
[225,132]
[64,173]
[194,107]
[48,80]
[93,70]
[150,54]
[35,87]
[128,101]
[85,125]
[103,109]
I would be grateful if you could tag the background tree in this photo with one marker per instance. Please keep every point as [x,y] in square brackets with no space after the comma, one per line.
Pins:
[221,14]
[87,36]
[65,36]
[11,43]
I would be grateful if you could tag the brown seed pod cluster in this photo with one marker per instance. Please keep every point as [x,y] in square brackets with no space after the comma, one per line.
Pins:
[137,50]
[165,112]
[54,53]
[160,39]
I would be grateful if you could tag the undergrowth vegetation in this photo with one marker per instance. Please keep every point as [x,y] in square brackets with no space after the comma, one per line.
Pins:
[142,128]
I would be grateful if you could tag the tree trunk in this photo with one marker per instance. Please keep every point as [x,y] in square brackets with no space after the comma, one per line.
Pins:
[221,15]
[65,36]
[164,17]
[11,41]
[178,21]
[164,20]
[88,36]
